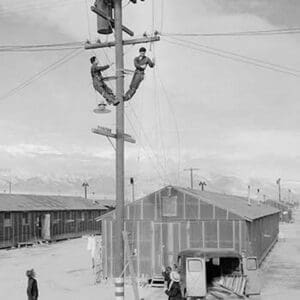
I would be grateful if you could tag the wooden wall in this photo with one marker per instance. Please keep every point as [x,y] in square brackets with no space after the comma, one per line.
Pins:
[27,227]
[157,244]
[168,221]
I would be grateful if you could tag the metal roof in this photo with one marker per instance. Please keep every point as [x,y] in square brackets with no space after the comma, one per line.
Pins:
[15,202]
[235,204]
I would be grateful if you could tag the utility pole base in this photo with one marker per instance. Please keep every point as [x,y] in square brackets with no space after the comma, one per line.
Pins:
[119,288]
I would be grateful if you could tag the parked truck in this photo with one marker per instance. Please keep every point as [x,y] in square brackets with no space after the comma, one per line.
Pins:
[218,274]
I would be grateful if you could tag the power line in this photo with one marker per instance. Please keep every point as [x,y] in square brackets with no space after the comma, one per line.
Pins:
[240,56]
[149,144]
[239,33]
[145,150]
[41,73]
[40,50]
[176,125]
[235,57]
[41,47]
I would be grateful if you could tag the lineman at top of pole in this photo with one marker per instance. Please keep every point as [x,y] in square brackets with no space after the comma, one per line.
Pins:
[140,63]
[98,81]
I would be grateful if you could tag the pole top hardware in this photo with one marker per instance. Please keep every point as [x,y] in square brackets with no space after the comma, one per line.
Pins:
[103,15]
[89,45]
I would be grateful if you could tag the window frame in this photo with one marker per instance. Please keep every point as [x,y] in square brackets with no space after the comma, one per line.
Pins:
[165,206]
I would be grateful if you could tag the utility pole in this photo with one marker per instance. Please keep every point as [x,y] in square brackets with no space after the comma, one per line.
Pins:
[279,189]
[289,196]
[103,11]
[9,184]
[132,188]
[202,184]
[249,195]
[191,170]
[85,186]
[119,265]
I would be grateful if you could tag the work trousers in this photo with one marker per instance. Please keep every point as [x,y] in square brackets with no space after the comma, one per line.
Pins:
[105,91]
[137,78]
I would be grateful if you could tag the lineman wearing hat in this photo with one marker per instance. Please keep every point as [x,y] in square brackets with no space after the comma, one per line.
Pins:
[140,63]
[98,81]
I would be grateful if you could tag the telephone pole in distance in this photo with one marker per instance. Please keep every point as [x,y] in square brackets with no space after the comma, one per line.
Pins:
[191,170]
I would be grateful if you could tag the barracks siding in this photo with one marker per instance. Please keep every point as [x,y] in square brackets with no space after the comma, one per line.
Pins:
[29,218]
[172,219]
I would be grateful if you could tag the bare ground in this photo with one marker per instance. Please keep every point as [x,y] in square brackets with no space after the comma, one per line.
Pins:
[64,271]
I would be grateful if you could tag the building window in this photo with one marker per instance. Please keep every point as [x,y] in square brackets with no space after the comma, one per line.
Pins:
[169,206]
[80,216]
[7,219]
[55,217]
[25,220]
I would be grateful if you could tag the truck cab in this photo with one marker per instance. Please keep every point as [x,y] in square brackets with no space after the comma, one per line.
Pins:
[217,274]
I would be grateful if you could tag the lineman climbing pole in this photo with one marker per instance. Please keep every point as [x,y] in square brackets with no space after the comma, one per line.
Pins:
[104,9]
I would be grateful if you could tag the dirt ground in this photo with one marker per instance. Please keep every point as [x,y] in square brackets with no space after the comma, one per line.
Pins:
[281,270]
[64,271]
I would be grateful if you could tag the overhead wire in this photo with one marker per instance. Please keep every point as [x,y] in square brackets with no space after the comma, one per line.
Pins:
[41,47]
[241,56]
[148,141]
[234,56]
[145,150]
[281,31]
[156,96]
[88,19]
[41,73]
[176,125]
[162,9]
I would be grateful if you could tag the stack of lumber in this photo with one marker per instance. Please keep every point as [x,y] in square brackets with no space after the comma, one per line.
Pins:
[228,287]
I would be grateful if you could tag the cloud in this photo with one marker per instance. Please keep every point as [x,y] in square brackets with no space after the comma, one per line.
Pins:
[28,150]
[277,12]
[230,117]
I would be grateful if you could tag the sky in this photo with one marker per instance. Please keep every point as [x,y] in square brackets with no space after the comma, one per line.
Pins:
[194,109]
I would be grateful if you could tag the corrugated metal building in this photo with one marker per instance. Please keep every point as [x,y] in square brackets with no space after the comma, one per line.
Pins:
[286,214]
[173,218]
[30,218]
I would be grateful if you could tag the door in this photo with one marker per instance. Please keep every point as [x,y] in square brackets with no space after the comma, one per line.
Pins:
[195,277]
[46,227]
[250,268]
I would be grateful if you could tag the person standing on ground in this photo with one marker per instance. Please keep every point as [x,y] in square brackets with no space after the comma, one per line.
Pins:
[98,82]
[166,274]
[174,291]
[32,287]
[140,63]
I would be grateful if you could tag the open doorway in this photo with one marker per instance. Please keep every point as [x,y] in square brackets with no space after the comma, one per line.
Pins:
[46,227]
[221,266]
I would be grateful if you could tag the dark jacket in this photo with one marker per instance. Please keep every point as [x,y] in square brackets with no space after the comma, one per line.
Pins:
[32,289]
[174,291]
[96,71]
[141,63]
[167,278]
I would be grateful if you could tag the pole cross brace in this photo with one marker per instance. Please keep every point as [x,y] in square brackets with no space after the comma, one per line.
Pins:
[111,21]
[108,133]
[143,40]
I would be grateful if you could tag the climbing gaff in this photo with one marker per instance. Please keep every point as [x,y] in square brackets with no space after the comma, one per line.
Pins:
[101,109]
